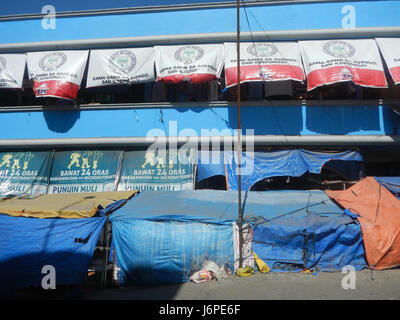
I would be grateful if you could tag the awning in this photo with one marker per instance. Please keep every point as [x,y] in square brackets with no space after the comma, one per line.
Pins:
[378,212]
[219,206]
[193,63]
[263,61]
[74,205]
[390,48]
[57,73]
[259,165]
[332,61]
[117,66]
[12,68]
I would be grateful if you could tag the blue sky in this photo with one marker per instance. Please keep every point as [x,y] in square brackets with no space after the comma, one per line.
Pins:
[35,6]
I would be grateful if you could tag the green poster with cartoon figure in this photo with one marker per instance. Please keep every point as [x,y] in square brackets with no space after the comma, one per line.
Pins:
[85,171]
[157,170]
[24,173]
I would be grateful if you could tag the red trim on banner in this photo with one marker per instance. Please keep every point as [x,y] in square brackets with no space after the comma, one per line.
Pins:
[56,88]
[193,78]
[270,72]
[395,73]
[363,77]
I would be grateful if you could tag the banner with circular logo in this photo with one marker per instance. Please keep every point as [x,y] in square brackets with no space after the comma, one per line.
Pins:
[57,73]
[24,173]
[192,63]
[263,61]
[390,48]
[12,68]
[118,66]
[331,61]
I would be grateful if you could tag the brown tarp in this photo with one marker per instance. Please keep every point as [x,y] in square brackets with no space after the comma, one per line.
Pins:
[379,217]
[71,205]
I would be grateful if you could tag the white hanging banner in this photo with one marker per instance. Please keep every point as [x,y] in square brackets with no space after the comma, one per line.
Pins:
[331,61]
[193,63]
[116,66]
[12,68]
[57,73]
[263,61]
[390,48]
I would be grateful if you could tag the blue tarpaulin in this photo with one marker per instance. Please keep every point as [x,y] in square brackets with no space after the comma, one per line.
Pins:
[326,243]
[28,244]
[260,164]
[163,237]
[391,183]
[294,230]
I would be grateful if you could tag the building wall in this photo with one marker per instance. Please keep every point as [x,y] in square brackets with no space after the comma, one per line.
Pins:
[290,120]
[117,122]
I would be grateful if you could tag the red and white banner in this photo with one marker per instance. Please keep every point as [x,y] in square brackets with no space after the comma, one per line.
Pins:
[117,66]
[57,73]
[12,68]
[331,61]
[390,48]
[263,61]
[193,63]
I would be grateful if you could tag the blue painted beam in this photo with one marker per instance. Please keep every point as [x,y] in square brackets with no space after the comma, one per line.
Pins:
[275,17]
[197,121]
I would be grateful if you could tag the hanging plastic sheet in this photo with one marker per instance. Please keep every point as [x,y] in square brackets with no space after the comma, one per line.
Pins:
[194,63]
[159,170]
[259,165]
[24,173]
[332,61]
[85,171]
[263,61]
[29,244]
[210,163]
[12,68]
[57,73]
[116,66]
[378,213]
[391,53]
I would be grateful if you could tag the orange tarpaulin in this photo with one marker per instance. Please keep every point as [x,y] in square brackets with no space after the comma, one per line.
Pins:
[379,217]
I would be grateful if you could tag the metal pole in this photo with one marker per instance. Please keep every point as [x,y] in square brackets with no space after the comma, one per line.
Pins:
[239,145]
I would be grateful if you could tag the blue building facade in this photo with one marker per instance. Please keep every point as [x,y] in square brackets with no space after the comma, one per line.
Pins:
[367,122]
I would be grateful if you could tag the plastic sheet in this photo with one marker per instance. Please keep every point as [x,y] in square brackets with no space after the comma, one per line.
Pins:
[29,244]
